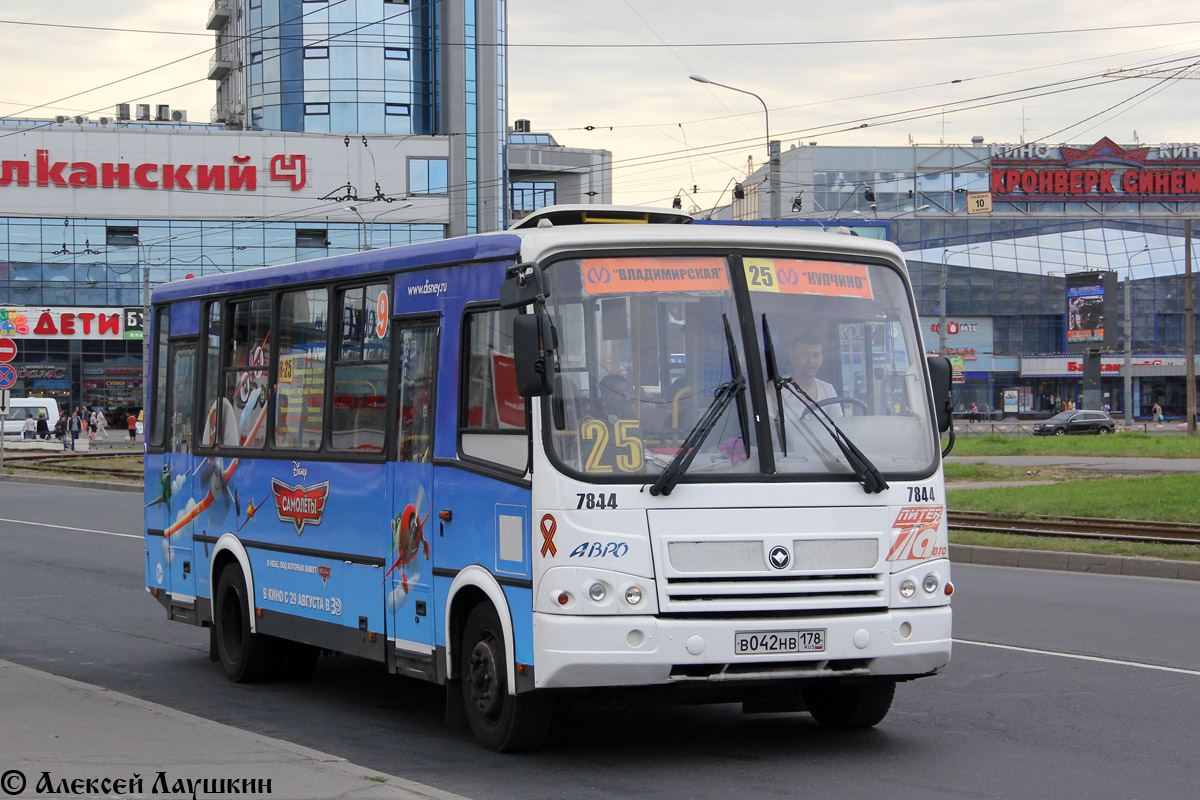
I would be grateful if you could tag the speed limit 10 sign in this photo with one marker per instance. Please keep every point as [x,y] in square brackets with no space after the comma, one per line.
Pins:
[979,203]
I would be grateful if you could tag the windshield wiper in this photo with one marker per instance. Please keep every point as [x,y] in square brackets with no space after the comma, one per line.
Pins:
[774,377]
[864,470]
[734,388]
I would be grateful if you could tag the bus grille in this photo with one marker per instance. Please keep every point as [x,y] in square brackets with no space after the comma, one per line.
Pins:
[825,575]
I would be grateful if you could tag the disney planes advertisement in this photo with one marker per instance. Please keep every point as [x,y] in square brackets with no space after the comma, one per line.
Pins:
[328,541]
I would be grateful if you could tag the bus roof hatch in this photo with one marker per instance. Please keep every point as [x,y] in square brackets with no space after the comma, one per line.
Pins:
[552,216]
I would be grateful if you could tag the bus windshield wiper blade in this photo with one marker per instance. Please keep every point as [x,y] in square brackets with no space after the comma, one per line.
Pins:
[777,381]
[726,393]
[866,472]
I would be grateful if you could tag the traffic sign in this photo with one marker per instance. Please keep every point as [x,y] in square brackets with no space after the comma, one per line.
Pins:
[979,203]
[8,376]
[8,349]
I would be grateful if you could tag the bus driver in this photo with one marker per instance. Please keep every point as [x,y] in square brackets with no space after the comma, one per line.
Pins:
[805,355]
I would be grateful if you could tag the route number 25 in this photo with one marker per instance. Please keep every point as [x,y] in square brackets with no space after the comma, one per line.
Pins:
[625,437]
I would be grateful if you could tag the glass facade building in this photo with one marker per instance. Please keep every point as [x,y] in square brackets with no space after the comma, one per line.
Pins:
[149,202]
[375,67]
[1002,230]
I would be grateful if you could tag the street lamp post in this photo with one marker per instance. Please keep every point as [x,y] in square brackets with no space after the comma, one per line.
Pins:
[1127,330]
[144,260]
[366,244]
[772,147]
[942,298]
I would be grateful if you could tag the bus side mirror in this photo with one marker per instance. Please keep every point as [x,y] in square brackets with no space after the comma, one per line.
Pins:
[941,377]
[523,285]
[534,342]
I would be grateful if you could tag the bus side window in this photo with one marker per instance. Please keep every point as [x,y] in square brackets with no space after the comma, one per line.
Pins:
[491,412]
[211,342]
[418,364]
[180,417]
[162,326]
[360,372]
[300,385]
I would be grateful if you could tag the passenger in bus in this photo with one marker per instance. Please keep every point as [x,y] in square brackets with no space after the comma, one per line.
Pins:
[614,396]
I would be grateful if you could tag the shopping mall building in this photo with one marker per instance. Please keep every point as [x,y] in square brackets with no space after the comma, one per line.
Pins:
[338,127]
[1035,246]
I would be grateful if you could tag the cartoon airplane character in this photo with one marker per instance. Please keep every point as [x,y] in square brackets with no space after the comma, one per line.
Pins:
[408,537]
[251,510]
[164,489]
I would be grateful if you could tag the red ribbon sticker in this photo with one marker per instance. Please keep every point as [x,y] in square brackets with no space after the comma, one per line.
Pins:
[548,527]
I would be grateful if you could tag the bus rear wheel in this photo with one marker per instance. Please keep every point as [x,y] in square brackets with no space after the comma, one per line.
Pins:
[245,656]
[849,705]
[500,721]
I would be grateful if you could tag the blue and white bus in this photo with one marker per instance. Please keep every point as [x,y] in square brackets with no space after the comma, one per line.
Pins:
[568,459]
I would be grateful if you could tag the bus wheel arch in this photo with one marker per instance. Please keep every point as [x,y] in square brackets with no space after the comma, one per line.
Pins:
[227,550]
[470,587]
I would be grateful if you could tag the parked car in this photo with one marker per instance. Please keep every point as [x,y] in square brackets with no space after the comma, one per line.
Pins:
[21,407]
[1065,422]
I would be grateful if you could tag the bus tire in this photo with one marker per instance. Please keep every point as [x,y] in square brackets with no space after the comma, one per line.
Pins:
[849,705]
[500,721]
[246,657]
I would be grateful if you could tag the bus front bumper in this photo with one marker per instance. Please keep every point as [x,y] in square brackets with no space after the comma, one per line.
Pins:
[595,651]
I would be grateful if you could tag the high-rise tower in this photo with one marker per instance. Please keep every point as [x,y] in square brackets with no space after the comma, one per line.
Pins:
[425,68]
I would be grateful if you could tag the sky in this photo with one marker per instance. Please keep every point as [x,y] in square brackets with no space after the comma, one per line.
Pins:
[869,73]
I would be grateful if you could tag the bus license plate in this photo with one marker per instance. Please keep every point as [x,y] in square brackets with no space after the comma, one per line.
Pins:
[771,642]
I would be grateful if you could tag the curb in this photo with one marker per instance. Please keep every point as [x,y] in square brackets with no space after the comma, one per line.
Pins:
[1075,562]
[74,483]
[391,786]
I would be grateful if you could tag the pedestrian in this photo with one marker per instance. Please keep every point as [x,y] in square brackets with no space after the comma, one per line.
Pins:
[1157,413]
[101,424]
[974,412]
[30,427]
[43,426]
[131,423]
[60,431]
[91,426]
[74,427]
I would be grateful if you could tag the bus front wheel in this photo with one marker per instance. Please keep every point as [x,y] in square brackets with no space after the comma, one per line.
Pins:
[245,656]
[849,705]
[500,721]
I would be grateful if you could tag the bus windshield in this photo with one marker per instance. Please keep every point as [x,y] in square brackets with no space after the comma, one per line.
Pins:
[642,351]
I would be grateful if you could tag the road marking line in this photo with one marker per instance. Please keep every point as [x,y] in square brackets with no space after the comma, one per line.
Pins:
[69,528]
[1116,661]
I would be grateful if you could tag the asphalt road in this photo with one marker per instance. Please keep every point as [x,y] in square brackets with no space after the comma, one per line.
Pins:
[1093,690]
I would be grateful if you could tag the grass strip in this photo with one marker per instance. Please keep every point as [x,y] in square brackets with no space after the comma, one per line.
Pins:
[1159,498]
[1122,445]
[1174,552]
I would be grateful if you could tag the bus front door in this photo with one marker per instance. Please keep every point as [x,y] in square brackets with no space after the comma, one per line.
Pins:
[409,577]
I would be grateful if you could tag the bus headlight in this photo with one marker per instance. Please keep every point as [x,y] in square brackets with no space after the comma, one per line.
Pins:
[930,584]
[587,590]
[908,588]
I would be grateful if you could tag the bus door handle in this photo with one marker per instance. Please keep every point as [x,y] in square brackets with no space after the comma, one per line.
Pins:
[445,515]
